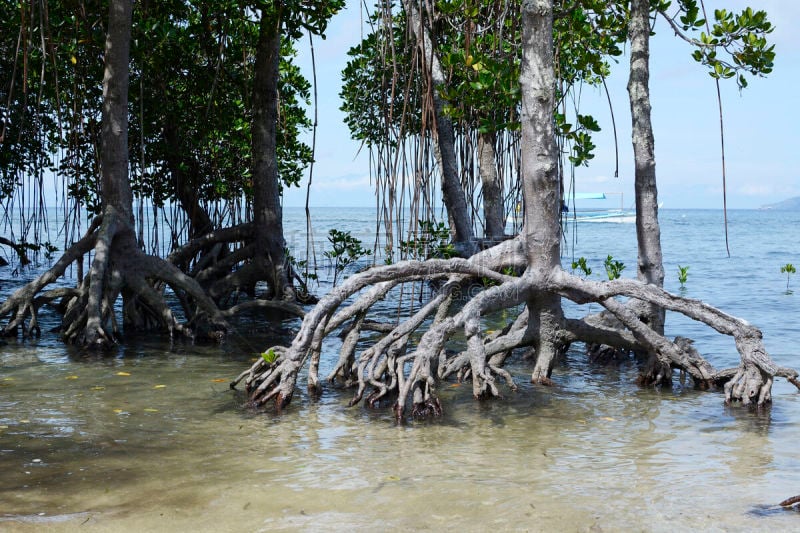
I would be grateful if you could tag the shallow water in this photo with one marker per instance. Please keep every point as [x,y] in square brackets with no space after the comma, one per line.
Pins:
[152,439]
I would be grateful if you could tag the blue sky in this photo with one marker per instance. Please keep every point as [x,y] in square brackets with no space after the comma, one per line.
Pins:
[761,123]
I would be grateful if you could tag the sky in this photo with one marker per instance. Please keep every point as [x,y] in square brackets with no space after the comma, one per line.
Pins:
[762,155]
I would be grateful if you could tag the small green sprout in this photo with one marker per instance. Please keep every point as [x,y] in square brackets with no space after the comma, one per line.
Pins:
[788,269]
[683,275]
[581,265]
[269,356]
[614,268]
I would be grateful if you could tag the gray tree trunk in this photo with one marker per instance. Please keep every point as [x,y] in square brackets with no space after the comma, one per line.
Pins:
[452,191]
[116,192]
[648,232]
[268,213]
[540,181]
[492,191]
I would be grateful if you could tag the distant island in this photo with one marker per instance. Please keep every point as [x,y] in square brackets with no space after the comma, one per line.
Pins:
[792,204]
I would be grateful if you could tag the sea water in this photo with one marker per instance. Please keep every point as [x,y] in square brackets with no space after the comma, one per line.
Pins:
[150,438]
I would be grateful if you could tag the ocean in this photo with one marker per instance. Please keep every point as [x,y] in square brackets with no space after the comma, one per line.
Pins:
[150,438]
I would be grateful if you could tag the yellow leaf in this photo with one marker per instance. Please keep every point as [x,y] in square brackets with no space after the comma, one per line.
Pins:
[159,386]
[470,59]
[8,379]
[74,61]
[219,380]
[98,387]
[490,331]
[25,421]
[123,373]
[149,410]
[477,66]
[608,418]
[456,385]
[3,427]
[71,377]
[118,411]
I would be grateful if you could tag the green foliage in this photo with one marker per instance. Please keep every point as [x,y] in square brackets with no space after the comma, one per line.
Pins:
[190,96]
[683,275]
[581,265]
[269,356]
[734,44]
[614,268]
[346,251]
[431,241]
[478,43]
[788,269]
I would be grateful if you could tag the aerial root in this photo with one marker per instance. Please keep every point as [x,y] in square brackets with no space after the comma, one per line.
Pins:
[791,502]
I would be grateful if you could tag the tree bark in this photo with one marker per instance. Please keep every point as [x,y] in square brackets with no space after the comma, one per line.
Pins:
[648,232]
[116,188]
[452,191]
[540,181]
[269,242]
[492,190]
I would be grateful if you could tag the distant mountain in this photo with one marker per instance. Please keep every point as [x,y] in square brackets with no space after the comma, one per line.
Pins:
[792,204]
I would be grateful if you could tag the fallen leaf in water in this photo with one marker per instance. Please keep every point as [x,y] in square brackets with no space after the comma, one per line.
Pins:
[490,331]
[8,379]
[71,377]
[608,418]
[3,427]
[456,385]
[219,380]
[159,386]
[98,387]
[123,373]
[118,411]
[392,478]
[149,410]
[24,421]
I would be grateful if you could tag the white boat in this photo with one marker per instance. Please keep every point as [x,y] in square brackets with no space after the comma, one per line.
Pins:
[575,208]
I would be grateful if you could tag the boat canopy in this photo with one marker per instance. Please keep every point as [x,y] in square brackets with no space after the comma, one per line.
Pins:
[588,196]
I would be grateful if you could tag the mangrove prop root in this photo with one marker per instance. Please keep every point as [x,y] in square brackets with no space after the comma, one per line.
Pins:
[794,500]
[412,370]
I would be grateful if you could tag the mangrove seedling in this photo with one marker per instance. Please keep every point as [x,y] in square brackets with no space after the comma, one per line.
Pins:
[346,251]
[683,275]
[581,265]
[269,356]
[614,268]
[788,269]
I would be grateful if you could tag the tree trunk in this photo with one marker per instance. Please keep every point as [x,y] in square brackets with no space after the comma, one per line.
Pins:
[492,191]
[452,191]
[648,232]
[185,184]
[269,242]
[540,181]
[116,189]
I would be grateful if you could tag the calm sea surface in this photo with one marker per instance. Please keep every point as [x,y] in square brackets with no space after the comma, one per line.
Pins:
[151,439]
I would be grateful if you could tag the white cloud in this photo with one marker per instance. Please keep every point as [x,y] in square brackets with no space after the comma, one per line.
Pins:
[343,183]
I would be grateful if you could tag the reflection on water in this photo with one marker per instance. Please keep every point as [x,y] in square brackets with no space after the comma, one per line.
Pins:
[151,439]
[155,441]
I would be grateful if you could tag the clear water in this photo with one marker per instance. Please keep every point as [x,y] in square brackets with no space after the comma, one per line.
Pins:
[151,439]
